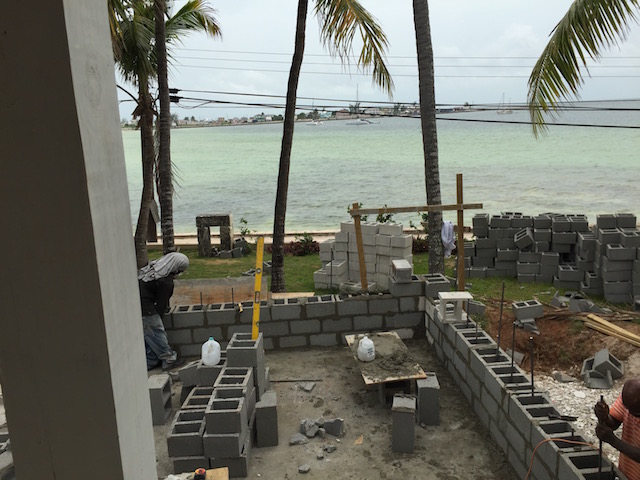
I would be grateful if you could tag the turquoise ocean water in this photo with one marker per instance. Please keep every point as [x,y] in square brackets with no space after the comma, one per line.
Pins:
[234,169]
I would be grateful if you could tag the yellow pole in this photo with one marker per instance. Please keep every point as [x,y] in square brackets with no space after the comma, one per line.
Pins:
[255,328]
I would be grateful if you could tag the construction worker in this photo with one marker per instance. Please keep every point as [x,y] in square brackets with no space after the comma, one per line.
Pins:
[156,287]
[624,411]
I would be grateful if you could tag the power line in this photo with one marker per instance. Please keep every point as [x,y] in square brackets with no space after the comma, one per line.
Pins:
[354,57]
[393,75]
[412,65]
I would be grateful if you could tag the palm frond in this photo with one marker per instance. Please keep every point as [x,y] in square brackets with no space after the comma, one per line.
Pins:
[587,28]
[339,21]
[194,15]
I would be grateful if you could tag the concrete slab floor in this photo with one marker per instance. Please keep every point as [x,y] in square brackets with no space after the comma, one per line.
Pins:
[459,448]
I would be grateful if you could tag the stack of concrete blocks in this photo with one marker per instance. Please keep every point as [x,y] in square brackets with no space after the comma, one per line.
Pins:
[216,425]
[601,370]
[616,256]
[403,418]
[526,313]
[160,397]
[382,243]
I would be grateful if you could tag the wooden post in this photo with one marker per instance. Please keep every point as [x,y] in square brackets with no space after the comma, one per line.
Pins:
[363,267]
[460,248]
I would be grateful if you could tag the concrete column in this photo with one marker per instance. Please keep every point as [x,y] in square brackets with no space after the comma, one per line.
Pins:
[71,350]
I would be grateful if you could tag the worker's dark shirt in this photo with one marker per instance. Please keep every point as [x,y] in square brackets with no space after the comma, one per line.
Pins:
[155,295]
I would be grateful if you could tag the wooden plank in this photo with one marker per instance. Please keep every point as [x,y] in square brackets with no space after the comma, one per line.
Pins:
[363,267]
[424,208]
[414,372]
[602,329]
[613,327]
[460,246]
[218,474]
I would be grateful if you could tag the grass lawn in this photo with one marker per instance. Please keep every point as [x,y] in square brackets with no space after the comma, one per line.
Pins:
[299,274]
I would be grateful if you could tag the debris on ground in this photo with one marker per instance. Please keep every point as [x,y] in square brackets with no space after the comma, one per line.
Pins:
[304,468]
[306,386]
[298,439]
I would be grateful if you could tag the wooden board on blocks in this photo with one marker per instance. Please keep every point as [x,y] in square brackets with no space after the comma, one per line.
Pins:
[218,474]
[392,363]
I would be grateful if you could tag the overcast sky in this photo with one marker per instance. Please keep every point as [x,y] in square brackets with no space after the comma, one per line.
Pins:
[484,52]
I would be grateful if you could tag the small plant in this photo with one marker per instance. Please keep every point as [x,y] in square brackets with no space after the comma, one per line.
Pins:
[303,245]
[245,231]
[420,244]
[362,217]
[384,217]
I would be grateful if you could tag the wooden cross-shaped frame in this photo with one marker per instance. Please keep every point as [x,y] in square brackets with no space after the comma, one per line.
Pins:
[356,212]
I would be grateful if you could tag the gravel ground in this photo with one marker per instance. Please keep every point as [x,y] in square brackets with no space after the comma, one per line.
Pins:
[577,400]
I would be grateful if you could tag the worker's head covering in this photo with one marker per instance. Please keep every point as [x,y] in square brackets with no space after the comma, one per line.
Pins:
[169,264]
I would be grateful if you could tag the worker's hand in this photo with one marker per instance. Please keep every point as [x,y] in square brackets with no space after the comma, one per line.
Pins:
[601,410]
[604,432]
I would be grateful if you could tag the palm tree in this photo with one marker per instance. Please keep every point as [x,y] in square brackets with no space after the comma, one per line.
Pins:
[165,181]
[339,21]
[587,27]
[429,131]
[137,62]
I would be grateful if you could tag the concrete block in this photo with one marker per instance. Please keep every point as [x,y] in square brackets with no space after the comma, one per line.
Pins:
[625,220]
[480,220]
[322,340]
[564,238]
[500,221]
[415,287]
[242,351]
[403,413]
[560,224]
[347,227]
[224,445]
[160,397]
[524,238]
[428,390]
[527,268]
[569,273]
[228,415]
[207,374]
[390,229]
[267,420]
[579,223]
[522,221]
[189,464]
[187,316]
[383,304]
[606,221]
[608,235]
[435,283]
[320,306]
[402,270]
[285,309]
[604,362]
[185,434]
[401,241]
[527,309]
[238,466]
[617,252]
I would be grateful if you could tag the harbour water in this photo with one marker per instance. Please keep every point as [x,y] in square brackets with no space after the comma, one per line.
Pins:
[582,170]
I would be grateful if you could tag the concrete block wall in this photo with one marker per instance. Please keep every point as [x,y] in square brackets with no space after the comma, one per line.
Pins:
[304,322]
[510,409]
[382,243]
[602,260]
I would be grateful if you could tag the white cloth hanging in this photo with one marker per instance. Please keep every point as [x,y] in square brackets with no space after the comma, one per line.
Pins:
[448,238]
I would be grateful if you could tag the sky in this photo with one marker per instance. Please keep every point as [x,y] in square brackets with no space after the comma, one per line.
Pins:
[484,52]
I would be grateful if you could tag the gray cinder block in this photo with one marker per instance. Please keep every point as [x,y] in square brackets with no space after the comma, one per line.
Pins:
[267,420]
[242,351]
[403,415]
[401,270]
[523,239]
[185,435]
[428,400]
[226,415]
[604,362]
[207,374]
[189,374]
[160,397]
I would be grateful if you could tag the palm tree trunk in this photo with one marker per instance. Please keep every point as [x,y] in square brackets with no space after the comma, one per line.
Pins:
[277,256]
[429,132]
[148,154]
[165,178]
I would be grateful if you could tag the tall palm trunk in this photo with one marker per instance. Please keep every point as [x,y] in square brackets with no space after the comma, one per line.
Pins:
[429,132]
[277,259]
[165,178]
[145,111]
